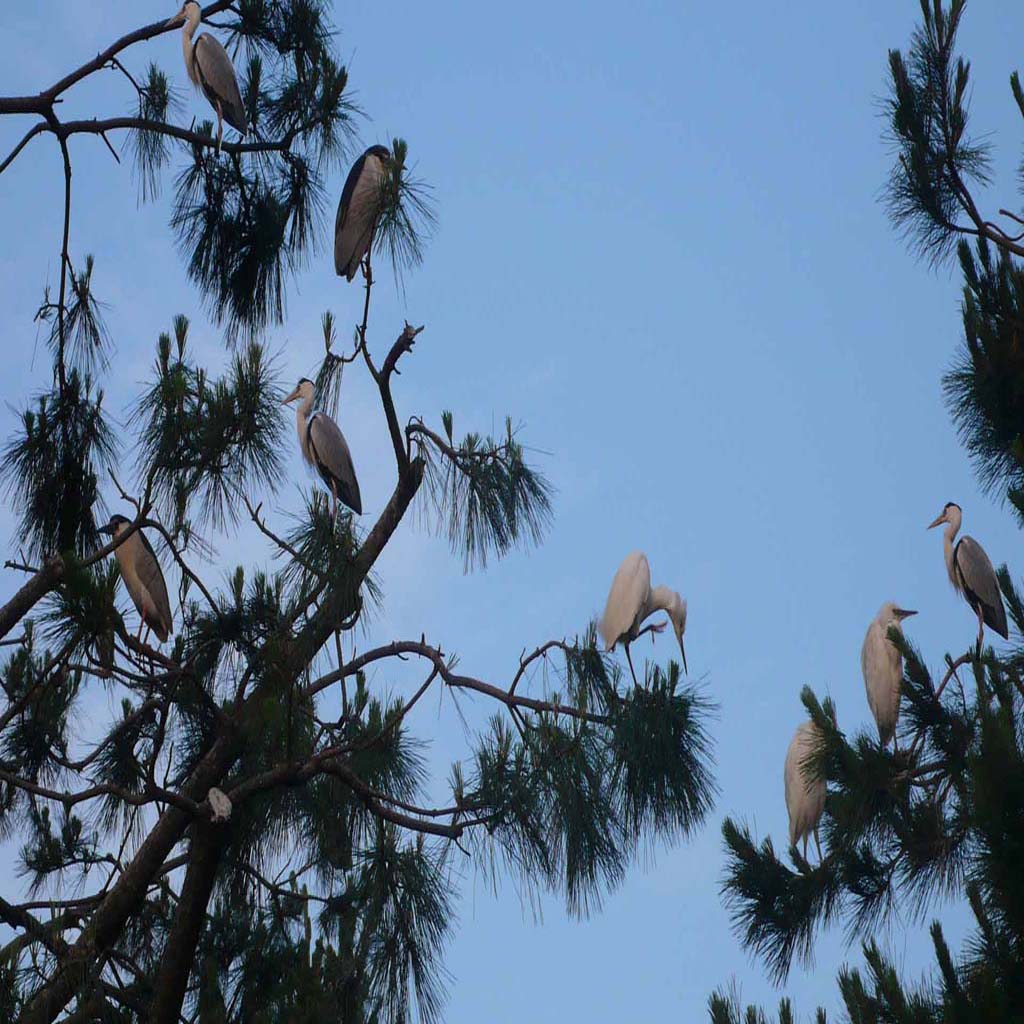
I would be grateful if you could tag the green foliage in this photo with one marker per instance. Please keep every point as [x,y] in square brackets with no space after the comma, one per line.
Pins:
[151,150]
[485,496]
[927,114]
[208,443]
[51,468]
[406,212]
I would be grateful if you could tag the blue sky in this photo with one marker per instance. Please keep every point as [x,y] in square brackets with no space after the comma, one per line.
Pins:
[661,249]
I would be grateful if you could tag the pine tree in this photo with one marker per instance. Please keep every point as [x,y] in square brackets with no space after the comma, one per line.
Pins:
[942,817]
[327,888]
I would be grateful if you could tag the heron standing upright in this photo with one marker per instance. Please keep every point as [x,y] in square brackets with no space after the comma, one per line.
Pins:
[210,69]
[359,210]
[805,793]
[631,600]
[141,573]
[324,447]
[971,574]
[882,665]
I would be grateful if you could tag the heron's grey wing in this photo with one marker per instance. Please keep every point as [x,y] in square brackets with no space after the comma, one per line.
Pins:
[217,75]
[629,593]
[980,582]
[152,578]
[333,459]
[357,215]
[881,665]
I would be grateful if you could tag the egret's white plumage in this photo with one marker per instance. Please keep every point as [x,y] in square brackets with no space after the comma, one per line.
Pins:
[805,794]
[631,600]
[220,805]
[359,210]
[971,573]
[143,578]
[324,447]
[882,666]
[210,69]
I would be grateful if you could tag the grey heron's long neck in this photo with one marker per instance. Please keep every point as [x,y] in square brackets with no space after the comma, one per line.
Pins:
[302,411]
[947,544]
[187,32]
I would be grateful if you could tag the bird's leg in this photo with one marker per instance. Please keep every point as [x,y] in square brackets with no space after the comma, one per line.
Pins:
[895,743]
[138,635]
[805,846]
[220,127]
[334,509]
[630,660]
[817,843]
[981,628]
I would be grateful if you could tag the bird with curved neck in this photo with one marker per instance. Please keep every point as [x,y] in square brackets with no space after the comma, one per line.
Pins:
[324,447]
[971,573]
[632,600]
[209,68]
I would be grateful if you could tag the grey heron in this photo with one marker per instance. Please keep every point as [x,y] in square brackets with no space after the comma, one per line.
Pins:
[971,574]
[359,210]
[141,573]
[631,600]
[324,447]
[209,68]
[882,666]
[805,794]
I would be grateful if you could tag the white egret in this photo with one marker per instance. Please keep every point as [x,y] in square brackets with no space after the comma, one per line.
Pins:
[220,805]
[359,210]
[324,447]
[882,666]
[805,794]
[142,577]
[209,67]
[631,600]
[971,574]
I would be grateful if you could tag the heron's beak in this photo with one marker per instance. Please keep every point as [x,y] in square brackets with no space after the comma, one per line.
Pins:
[938,522]
[291,397]
[904,613]
[108,530]
[682,651]
[177,19]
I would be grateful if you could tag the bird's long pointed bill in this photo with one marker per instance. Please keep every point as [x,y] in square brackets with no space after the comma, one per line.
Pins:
[291,397]
[682,651]
[938,522]
[905,613]
[176,20]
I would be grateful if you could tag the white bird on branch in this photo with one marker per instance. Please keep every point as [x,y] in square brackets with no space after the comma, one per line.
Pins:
[631,600]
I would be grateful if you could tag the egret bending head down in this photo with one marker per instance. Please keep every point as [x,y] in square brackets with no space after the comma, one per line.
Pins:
[631,600]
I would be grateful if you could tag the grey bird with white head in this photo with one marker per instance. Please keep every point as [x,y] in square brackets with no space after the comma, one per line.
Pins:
[324,447]
[631,600]
[141,573]
[882,665]
[971,574]
[805,794]
[359,210]
[209,68]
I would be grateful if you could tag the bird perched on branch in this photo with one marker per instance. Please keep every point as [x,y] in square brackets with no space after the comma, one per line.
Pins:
[971,574]
[805,793]
[631,600]
[143,578]
[209,67]
[324,447]
[882,666]
[359,210]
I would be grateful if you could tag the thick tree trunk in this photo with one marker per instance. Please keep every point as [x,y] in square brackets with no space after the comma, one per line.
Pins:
[208,843]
